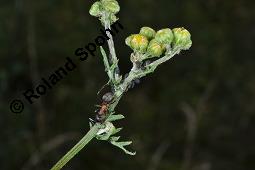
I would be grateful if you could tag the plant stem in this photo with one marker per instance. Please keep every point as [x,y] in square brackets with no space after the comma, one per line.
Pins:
[139,73]
[77,148]
[110,42]
[113,60]
[133,74]
[93,131]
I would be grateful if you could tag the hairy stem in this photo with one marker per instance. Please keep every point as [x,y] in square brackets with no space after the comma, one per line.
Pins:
[107,25]
[113,60]
[139,73]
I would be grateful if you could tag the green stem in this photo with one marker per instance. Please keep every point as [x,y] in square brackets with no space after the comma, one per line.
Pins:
[137,73]
[77,148]
[110,42]
[112,57]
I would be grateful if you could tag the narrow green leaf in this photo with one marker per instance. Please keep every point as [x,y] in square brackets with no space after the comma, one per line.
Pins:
[107,66]
[116,131]
[113,117]
[122,148]
[115,138]
[103,52]
[125,143]
[114,65]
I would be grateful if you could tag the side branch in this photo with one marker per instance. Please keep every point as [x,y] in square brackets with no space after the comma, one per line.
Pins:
[139,72]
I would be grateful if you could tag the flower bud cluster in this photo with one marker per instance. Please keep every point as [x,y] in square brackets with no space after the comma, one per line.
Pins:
[155,44]
[105,9]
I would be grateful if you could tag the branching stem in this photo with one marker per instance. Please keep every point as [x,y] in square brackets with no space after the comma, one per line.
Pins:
[120,86]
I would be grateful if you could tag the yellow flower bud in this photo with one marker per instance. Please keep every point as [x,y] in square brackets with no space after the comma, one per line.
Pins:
[147,32]
[182,38]
[111,6]
[95,9]
[164,36]
[137,42]
[155,48]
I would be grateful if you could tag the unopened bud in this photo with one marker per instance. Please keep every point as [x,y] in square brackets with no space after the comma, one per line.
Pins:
[137,42]
[95,9]
[155,49]
[164,36]
[148,32]
[111,6]
[182,38]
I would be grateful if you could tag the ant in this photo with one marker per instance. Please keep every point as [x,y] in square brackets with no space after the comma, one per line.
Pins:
[101,113]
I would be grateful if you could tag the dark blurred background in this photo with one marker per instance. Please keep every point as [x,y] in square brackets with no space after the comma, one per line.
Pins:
[196,112]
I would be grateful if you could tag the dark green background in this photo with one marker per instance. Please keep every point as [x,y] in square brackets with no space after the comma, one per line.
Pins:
[200,104]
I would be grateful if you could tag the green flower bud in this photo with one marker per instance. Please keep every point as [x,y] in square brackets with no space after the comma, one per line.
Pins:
[164,36]
[148,32]
[182,38]
[111,6]
[137,42]
[155,48]
[95,9]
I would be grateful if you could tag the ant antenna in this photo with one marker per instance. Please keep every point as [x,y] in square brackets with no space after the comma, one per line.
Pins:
[102,88]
